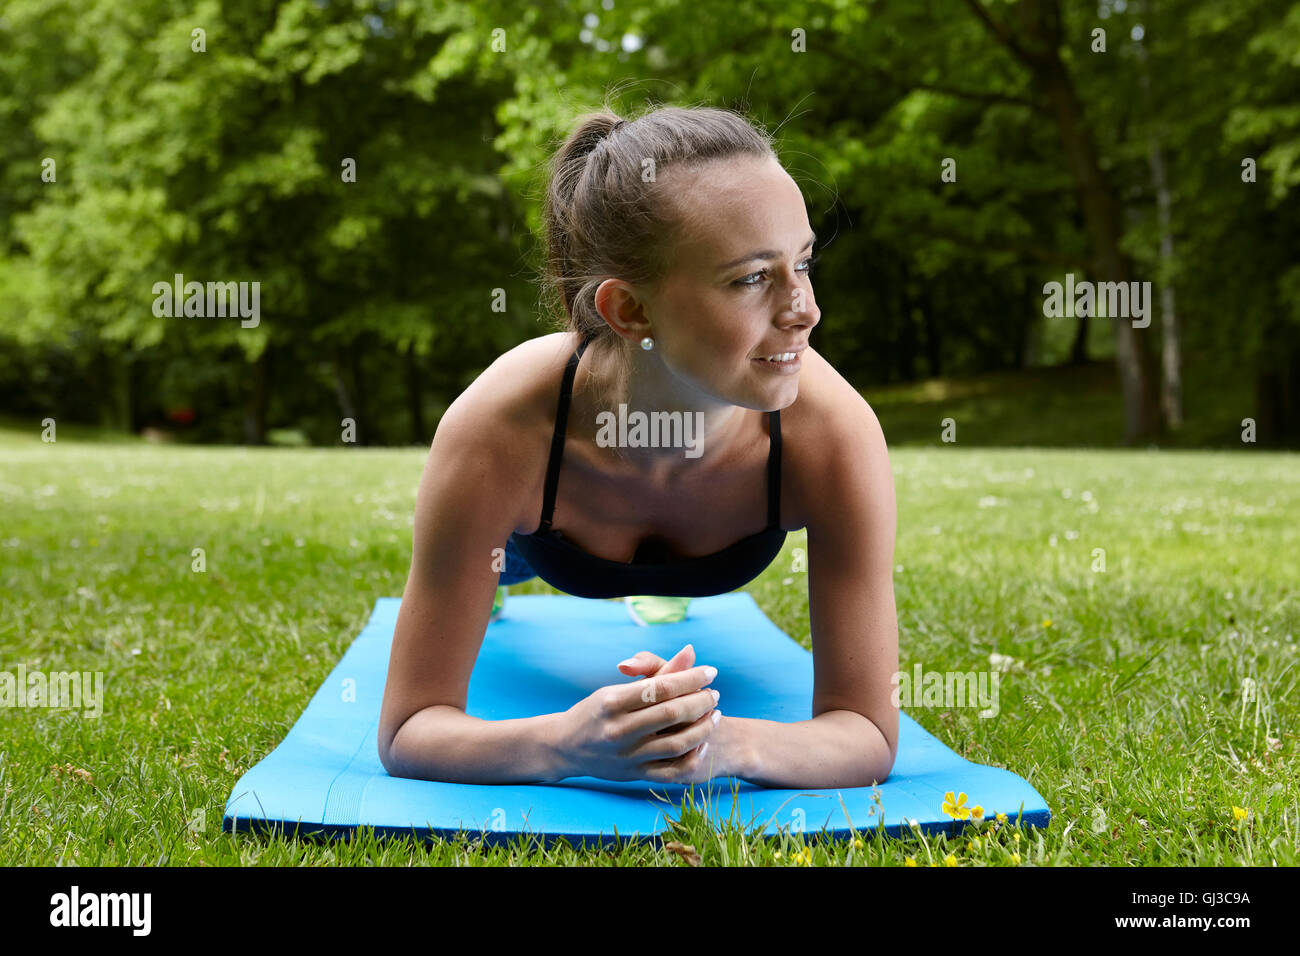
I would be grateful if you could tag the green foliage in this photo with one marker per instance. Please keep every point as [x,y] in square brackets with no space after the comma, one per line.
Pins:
[227,165]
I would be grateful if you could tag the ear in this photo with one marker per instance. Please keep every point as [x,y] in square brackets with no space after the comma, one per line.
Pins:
[618,305]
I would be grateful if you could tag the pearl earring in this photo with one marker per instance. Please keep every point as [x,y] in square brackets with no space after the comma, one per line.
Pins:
[647,343]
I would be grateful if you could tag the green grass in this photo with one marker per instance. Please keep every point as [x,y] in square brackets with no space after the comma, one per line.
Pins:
[1127,716]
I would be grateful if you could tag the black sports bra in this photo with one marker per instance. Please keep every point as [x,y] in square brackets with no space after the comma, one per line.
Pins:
[568,568]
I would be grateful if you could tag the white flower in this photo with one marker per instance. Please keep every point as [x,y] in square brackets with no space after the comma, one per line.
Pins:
[1004,663]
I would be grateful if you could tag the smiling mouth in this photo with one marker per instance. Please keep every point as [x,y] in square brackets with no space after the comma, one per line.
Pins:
[788,360]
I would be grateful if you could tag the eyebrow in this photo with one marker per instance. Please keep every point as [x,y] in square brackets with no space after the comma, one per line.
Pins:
[765,254]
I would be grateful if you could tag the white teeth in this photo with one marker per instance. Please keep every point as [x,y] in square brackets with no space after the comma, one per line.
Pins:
[783,357]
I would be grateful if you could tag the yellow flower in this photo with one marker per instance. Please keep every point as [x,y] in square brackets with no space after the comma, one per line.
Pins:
[857,844]
[1047,622]
[910,861]
[1016,836]
[975,843]
[1239,813]
[949,860]
[1002,818]
[955,807]
[778,854]
[804,856]
[977,813]
[1015,858]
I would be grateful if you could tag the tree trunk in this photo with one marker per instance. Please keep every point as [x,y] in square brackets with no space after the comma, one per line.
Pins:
[933,347]
[131,392]
[1102,219]
[346,392]
[1171,390]
[110,379]
[1277,391]
[415,397]
[1098,200]
[255,400]
[1025,327]
[907,344]
[368,436]
[1079,349]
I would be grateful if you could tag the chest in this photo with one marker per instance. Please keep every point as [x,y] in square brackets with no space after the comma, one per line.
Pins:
[613,513]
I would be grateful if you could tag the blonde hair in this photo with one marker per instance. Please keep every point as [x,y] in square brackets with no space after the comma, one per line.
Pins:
[601,219]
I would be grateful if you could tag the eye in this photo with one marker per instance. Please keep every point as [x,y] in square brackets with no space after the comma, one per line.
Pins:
[744,282]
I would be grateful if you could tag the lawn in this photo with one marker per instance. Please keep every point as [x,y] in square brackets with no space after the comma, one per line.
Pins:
[1144,701]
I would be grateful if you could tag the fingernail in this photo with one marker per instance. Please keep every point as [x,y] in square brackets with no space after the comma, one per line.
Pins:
[717,716]
[710,673]
[715,694]
[627,663]
[703,747]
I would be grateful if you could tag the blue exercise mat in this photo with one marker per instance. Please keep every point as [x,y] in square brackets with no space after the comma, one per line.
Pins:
[546,653]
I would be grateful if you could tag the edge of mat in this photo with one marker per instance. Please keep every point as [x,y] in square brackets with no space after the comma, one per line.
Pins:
[1038,818]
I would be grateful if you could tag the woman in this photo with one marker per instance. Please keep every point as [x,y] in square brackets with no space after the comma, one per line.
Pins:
[680,250]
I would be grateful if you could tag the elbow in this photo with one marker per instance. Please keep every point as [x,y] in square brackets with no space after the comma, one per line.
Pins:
[883,751]
[389,754]
[887,768]
[407,749]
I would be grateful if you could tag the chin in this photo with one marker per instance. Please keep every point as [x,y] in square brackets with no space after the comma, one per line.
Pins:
[771,400]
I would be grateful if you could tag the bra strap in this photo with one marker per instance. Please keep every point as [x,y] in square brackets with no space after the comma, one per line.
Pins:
[557,439]
[774,470]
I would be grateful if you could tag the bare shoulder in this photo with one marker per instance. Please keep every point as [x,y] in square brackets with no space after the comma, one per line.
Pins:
[503,419]
[832,442]
[512,391]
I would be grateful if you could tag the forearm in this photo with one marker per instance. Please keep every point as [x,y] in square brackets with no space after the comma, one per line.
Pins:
[444,743]
[839,748]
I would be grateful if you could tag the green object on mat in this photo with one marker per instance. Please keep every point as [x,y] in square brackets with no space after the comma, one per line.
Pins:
[648,609]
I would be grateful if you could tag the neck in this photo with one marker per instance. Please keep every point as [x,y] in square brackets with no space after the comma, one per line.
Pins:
[659,424]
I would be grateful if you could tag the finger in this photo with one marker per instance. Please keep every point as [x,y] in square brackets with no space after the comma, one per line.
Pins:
[642,662]
[694,767]
[648,664]
[679,744]
[667,717]
[681,661]
[638,695]
[686,657]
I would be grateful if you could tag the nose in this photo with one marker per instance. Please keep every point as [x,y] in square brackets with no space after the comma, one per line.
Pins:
[801,303]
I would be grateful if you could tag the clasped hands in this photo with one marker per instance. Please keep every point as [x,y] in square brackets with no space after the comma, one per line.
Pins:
[666,728]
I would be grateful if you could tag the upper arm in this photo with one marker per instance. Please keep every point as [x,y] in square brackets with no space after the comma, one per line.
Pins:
[851,521]
[465,508]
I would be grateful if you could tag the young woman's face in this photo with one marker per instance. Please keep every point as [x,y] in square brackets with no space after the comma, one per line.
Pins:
[738,291]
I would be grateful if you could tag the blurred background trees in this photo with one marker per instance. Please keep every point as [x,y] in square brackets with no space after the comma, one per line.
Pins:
[377,166]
